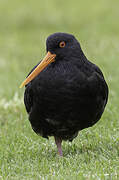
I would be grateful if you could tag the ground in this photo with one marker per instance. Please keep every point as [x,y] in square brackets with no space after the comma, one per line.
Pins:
[24,26]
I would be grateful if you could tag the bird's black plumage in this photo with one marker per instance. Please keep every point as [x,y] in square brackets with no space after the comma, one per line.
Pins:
[69,95]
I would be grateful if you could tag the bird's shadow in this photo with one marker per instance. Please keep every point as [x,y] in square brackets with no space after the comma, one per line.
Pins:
[68,151]
[73,150]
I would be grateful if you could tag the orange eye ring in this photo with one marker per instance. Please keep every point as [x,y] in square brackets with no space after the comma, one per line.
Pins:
[62,44]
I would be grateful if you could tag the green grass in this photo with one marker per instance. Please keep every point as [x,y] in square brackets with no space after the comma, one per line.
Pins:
[24,26]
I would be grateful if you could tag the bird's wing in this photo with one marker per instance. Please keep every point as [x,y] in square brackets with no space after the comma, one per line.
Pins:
[91,86]
[28,99]
[28,95]
[97,85]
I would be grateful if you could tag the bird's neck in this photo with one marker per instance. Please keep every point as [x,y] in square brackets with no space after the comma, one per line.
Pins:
[69,63]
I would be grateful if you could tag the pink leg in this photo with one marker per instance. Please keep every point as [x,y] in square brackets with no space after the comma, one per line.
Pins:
[58,142]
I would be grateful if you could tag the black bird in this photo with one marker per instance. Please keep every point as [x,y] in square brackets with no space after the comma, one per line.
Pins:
[65,93]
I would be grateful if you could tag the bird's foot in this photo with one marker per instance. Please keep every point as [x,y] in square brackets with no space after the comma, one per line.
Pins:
[58,142]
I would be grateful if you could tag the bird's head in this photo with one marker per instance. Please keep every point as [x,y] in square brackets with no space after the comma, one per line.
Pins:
[59,46]
[63,45]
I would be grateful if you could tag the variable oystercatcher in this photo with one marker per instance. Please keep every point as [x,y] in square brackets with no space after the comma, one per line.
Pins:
[65,92]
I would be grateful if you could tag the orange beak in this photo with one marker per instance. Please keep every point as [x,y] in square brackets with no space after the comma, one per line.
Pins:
[49,58]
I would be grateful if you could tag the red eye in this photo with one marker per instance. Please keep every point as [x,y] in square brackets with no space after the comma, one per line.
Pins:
[62,44]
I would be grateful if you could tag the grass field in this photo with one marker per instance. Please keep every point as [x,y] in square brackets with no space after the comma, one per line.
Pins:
[24,26]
